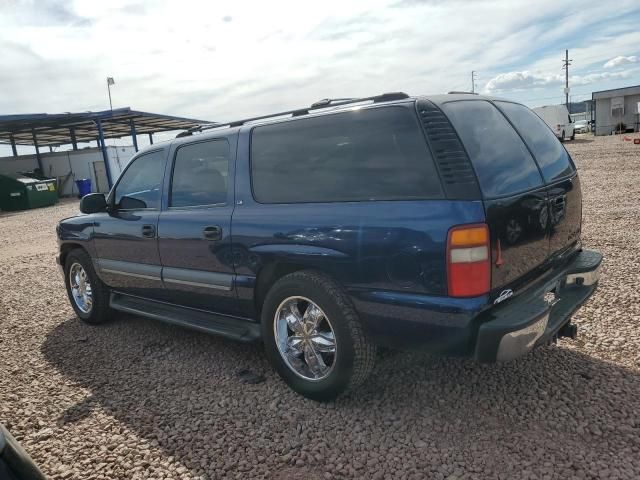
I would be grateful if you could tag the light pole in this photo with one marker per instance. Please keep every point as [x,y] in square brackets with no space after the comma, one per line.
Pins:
[110,81]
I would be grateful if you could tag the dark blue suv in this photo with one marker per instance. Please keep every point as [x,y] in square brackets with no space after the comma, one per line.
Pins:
[448,223]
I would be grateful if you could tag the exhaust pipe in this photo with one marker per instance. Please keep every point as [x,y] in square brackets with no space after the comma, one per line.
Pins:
[568,330]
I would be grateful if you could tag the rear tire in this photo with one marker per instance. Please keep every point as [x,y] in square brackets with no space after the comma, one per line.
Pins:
[573,137]
[562,138]
[88,296]
[307,316]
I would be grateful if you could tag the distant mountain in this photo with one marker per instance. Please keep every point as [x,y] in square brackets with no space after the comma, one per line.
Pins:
[577,107]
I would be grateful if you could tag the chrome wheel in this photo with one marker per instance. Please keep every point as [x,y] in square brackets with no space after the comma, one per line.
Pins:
[305,338]
[80,288]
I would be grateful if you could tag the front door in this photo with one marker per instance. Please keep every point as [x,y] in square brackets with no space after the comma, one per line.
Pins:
[194,229]
[126,236]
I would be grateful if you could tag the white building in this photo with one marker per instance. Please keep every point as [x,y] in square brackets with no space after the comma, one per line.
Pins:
[612,107]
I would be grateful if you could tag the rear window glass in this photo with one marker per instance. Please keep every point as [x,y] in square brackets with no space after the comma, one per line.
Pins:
[372,154]
[502,162]
[549,152]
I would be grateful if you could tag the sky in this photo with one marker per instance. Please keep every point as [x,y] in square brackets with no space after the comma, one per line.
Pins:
[221,60]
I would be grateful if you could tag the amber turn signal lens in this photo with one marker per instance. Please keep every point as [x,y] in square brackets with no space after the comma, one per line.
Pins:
[465,237]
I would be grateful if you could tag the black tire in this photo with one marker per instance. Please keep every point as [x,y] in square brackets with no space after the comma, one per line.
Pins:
[563,137]
[100,311]
[573,137]
[355,354]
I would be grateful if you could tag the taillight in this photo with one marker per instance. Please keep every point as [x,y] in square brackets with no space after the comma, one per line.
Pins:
[468,264]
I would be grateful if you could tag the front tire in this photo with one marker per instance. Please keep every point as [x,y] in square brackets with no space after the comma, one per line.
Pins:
[88,296]
[313,337]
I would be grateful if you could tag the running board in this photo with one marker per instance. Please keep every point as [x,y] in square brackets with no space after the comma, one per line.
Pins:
[232,327]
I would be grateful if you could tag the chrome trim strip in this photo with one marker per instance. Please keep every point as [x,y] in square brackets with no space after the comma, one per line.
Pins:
[196,284]
[129,269]
[129,274]
[198,278]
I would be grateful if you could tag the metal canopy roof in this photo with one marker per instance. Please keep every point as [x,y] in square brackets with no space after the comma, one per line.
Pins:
[60,129]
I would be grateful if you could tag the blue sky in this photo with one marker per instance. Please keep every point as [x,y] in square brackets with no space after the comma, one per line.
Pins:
[223,60]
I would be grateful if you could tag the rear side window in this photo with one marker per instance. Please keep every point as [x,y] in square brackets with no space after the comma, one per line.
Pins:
[502,162]
[200,174]
[372,154]
[552,158]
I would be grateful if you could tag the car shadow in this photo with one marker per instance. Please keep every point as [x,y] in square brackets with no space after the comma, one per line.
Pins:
[580,140]
[181,391]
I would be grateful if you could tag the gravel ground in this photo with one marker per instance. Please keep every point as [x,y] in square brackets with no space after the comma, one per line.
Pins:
[138,399]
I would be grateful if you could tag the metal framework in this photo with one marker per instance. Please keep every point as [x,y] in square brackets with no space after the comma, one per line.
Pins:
[42,129]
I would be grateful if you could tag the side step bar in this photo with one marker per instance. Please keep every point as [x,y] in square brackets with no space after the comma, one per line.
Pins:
[232,327]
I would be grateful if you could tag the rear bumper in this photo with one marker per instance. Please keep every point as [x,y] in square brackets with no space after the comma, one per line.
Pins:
[533,318]
[467,327]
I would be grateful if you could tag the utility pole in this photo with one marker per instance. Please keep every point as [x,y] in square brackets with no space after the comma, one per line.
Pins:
[565,65]
[473,81]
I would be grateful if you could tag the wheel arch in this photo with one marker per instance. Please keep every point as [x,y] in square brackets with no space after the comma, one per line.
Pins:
[274,271]
[67,248]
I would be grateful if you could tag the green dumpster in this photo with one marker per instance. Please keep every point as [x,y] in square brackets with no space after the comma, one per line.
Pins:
[19,192]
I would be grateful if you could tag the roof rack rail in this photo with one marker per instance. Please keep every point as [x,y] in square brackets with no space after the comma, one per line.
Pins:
[324,103]
[461,92]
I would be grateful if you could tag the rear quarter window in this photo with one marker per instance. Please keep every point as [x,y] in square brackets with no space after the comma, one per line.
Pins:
[502,162]
[551,156]
[360,155]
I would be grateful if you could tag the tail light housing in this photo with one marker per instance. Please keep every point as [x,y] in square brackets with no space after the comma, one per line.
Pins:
[468,260]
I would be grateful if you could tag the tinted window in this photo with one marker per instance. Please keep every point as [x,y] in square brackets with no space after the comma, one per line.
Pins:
[502,162]
[200,174]
[549,152]
[140,184]
[373,154]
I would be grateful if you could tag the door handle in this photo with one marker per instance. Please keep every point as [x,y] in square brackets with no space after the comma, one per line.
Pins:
[148,231]
[212,232]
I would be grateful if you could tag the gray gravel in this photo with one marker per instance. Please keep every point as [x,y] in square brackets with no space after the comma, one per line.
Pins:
[137,399]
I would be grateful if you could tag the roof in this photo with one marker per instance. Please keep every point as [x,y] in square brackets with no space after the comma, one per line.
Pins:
[329,106]
[55,129]
[617,92]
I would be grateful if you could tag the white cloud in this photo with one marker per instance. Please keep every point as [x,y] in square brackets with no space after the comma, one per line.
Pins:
[621,60]
[222,60]
[518,81]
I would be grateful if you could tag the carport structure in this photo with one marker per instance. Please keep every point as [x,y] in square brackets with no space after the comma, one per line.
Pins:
[52,130]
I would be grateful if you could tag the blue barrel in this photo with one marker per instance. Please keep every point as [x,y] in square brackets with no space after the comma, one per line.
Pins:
[84,186]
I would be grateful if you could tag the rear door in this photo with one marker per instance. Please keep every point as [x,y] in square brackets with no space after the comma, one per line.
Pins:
[559,173]
[194,229]
[514,193]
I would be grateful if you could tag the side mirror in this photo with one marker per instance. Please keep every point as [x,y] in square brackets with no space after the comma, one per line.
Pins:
[93,203]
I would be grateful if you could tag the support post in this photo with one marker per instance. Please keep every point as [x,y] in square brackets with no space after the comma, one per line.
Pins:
[35,144]
[13,146]
[105,155]
[151,138]
[133,134]
[74,143]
